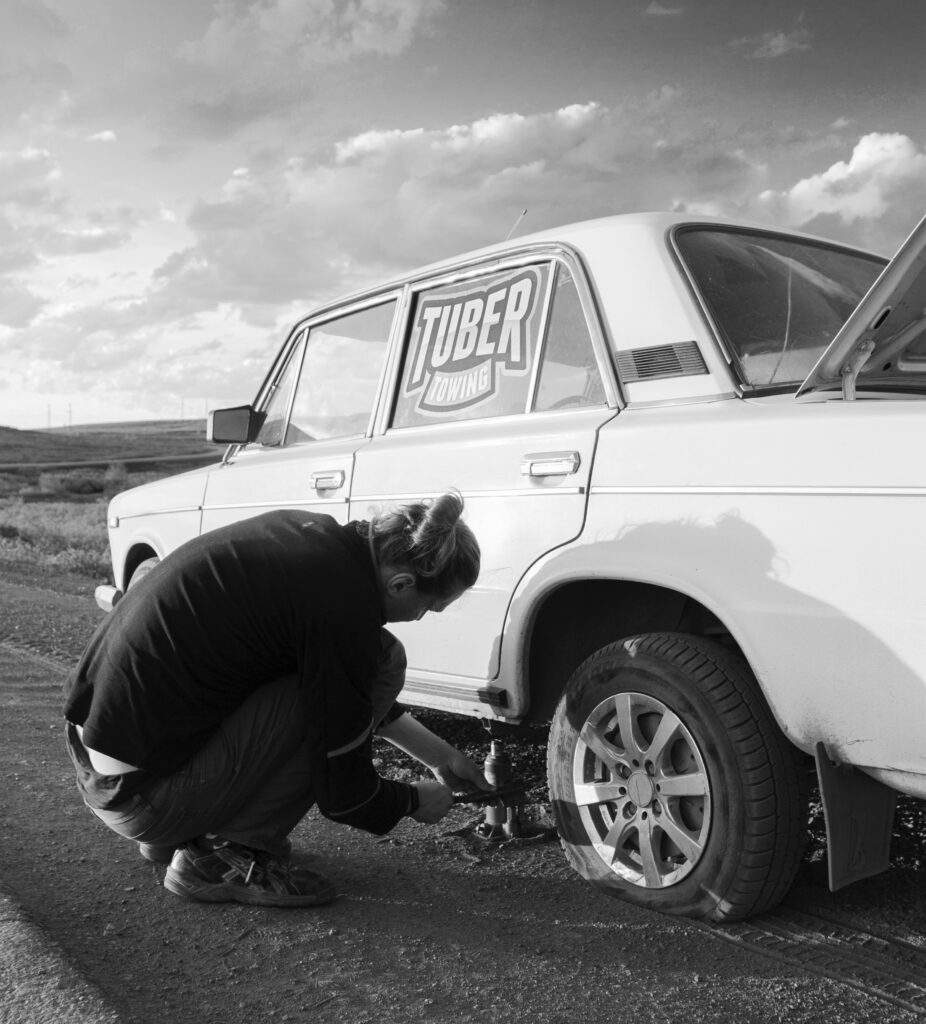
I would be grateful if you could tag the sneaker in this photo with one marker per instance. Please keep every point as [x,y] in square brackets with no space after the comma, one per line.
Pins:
[157,854]
[226,872]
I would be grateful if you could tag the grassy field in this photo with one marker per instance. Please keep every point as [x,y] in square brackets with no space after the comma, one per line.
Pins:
[56,535]
[105,441]
[56,519]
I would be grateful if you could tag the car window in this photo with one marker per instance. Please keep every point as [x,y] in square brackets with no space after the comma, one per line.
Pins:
[271,433]
[472,348]
[569,375]
[777,302]
[340,374]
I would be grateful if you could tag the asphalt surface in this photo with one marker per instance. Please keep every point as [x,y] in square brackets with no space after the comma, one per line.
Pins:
[430,925]
[38,983]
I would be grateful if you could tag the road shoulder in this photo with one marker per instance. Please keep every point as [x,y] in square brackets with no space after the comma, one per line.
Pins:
[40,986]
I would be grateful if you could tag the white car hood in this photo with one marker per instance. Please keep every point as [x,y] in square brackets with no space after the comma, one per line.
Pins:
[884,339]
[182,491]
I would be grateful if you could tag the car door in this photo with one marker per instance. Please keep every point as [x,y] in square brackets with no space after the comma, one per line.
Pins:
[500,394]
[319,409]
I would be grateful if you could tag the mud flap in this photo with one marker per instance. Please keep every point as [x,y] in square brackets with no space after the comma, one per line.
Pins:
[859,814]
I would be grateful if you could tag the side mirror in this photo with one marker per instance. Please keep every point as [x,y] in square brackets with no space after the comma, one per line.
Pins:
[239,425]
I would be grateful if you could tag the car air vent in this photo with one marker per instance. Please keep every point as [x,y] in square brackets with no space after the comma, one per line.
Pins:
[683,359]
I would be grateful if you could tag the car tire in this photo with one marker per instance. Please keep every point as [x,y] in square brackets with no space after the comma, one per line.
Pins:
[141,571]
[671,784]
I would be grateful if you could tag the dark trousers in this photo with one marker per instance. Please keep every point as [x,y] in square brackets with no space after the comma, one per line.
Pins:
[251,782]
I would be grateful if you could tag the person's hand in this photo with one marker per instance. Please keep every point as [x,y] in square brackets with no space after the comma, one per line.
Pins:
[459,772]
[434,801]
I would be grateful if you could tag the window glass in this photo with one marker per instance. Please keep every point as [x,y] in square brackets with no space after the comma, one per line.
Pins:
[913,356]
[271,433]
[340,375]
[569,377]
[472,348]
[778,302]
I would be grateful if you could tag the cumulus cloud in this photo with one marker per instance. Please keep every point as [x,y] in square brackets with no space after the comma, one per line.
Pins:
[72,241]
[305,32]
[37,225]
[299,229]
[19,306]
[877,192]
[34,201]
[771,45]
[256,60]
[33,73]
[282,233]
[108,135]
[28,177]
[658,10]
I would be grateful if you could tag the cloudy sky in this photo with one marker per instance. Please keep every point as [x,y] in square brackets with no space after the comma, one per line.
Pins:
[181,179]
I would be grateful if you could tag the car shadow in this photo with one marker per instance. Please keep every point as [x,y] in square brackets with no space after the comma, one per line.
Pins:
[802,637]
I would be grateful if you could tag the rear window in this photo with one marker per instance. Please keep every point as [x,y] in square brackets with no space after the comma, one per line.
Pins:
[777,302]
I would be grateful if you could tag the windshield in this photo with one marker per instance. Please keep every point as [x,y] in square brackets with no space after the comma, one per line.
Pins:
[777,302]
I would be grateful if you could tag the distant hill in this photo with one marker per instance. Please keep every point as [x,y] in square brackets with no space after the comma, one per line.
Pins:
[106,441]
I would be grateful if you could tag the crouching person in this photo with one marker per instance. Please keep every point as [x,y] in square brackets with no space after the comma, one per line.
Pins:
[240,683]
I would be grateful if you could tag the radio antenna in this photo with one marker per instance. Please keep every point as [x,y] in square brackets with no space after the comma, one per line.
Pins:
[521,217]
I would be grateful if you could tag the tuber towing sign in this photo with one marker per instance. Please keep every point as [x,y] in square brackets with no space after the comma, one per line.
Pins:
[466,341]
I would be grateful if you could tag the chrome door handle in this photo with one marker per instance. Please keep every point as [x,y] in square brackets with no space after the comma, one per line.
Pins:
[550,464]
[329,480]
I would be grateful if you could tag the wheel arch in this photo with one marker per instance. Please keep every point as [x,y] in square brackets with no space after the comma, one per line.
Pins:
[574,618]
[137,553]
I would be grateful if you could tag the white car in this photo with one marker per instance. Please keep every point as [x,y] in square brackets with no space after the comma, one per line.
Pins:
[692,455]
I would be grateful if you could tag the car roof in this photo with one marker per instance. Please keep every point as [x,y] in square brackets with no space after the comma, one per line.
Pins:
[655,223]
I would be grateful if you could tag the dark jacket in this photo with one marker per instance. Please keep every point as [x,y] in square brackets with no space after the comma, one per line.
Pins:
[285,592]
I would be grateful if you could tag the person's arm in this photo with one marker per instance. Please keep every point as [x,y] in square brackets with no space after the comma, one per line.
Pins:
[449,765]
[338,660]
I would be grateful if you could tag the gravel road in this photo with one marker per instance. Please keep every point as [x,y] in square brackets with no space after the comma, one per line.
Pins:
[431,924]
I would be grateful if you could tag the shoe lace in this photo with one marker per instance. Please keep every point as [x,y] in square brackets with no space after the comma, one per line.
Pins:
[251,865]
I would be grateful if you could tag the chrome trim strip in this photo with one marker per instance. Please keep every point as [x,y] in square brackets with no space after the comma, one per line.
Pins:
[389,378]
[295,503]
[160,512]
[542,325]
[894,492]
[494,696]
[599,331]
[694,293]
[301,343]
[519,492]
[664,403]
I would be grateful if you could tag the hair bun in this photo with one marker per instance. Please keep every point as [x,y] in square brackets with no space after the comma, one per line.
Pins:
[444,510]
[435,543]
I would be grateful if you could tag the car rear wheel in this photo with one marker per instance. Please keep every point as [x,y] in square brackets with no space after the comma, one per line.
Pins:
[671,784]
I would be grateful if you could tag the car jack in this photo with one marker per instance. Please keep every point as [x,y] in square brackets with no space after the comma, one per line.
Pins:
[502,801]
